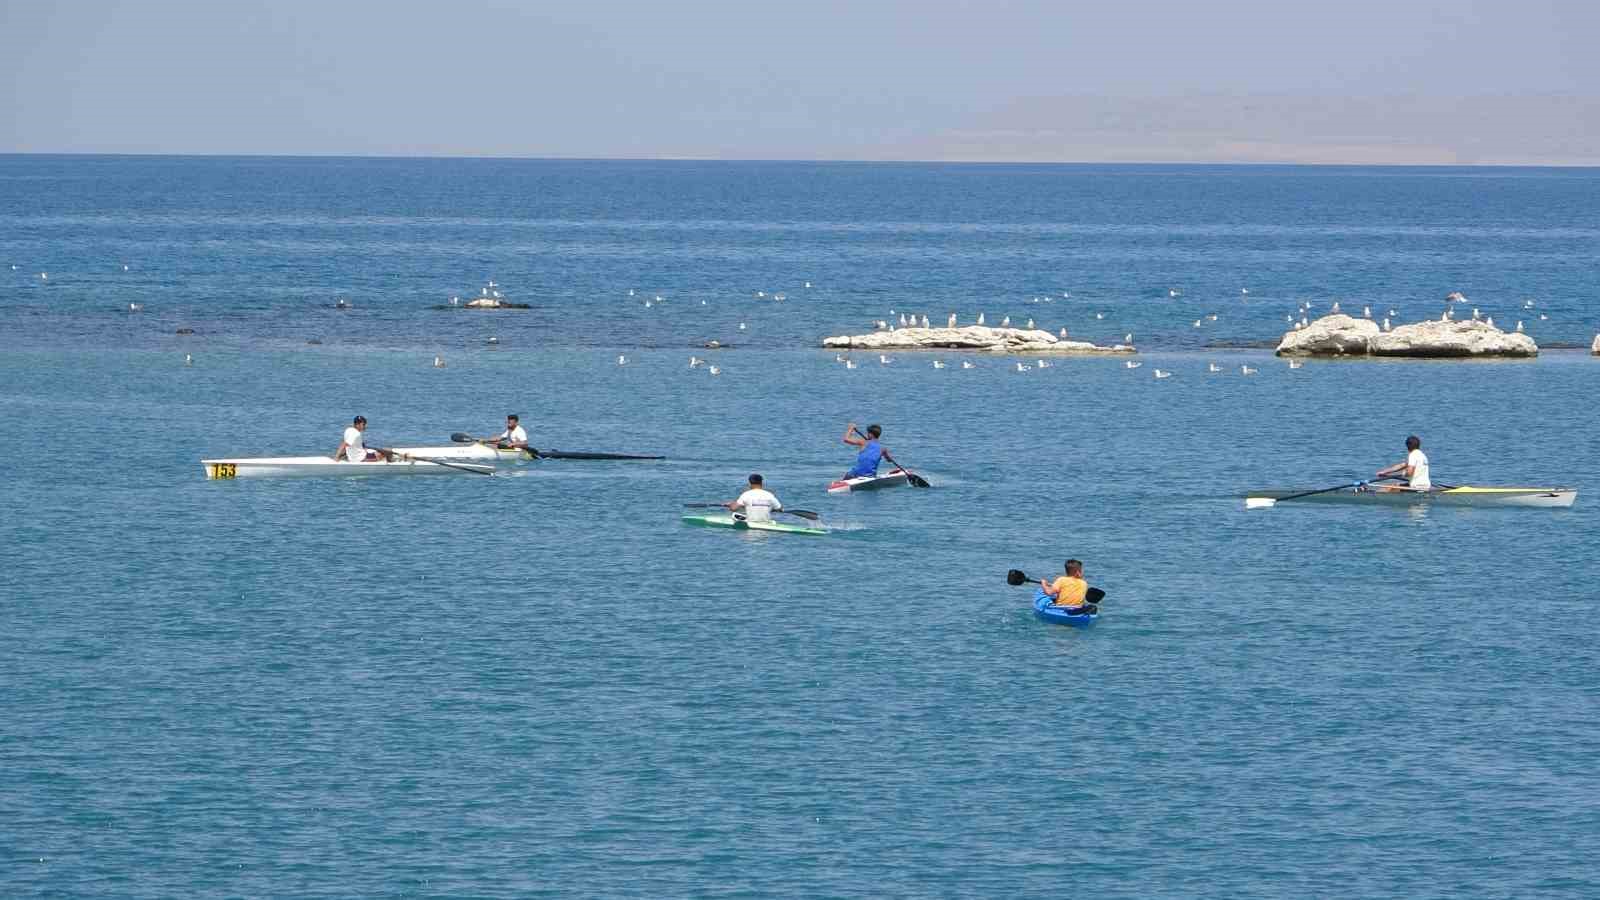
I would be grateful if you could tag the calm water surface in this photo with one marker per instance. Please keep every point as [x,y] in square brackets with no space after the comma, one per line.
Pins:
[543,683]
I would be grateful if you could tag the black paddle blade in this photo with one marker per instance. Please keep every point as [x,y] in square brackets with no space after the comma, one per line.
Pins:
[462,437]
[1015,577]
[803,513]
[1095,595]
[917,480]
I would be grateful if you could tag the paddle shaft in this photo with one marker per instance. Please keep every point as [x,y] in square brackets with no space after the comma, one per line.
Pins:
[438,462]
[802,513]
[1338,487]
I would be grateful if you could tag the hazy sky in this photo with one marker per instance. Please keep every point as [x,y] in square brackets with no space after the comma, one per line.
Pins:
[1121,80]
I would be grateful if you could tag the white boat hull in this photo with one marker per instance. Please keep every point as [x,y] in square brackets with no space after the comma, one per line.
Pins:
[892,478]
[468,453]
[323,466]
[1467,495]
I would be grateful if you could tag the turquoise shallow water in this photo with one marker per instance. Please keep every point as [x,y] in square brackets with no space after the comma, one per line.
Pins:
[543,683]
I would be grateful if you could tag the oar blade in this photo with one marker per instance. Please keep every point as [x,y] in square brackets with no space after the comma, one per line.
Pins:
[917,480]
[1259,502]
[803,513]
[1015,577]
[461,437]
[1094,596]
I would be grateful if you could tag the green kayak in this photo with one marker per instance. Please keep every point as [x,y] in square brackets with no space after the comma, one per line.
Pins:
[729,520]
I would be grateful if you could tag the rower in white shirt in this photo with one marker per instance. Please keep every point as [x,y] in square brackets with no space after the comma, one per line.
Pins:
[353,448]
[1414,469]
[757,503]
[514,437]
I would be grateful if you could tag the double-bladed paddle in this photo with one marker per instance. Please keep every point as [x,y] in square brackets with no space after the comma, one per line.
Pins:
[1269,502]
[802,513]
[915,479]
[1090,598]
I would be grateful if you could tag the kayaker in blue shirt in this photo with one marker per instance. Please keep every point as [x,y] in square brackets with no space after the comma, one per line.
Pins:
[871,451]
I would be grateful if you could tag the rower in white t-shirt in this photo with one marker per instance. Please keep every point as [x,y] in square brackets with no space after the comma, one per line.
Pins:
[514,437]
[352,448]
[757,503]
[1414,469]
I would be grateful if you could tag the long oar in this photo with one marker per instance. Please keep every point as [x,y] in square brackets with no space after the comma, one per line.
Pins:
[476,470]
[1269,502]
[462,437]
[1092,597]
[915,479]
[802,513]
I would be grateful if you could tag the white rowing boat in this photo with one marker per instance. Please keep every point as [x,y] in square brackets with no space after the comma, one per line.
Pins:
[319,466]
[1467,495]
[892,478]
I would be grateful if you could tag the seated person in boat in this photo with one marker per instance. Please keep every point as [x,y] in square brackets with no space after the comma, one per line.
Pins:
[1414,468]
[352,447]
[514,437]
[757,503]
[871,451]
[1070,589]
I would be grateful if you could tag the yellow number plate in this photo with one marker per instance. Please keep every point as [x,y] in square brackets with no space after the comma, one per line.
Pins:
[222,470]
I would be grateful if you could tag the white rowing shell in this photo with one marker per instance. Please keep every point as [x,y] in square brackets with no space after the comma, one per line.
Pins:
[319,466]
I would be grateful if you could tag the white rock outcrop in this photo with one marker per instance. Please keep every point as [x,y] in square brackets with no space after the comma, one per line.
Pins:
[970,337]
[1466,338]
[1435,339]
[1336,335]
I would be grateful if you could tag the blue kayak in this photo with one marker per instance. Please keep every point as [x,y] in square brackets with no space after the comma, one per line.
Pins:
[1058,615]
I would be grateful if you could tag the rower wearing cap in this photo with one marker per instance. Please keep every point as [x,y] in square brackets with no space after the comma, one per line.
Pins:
[352,448]
[757,502]
[1414,469]
[1070,589]
[871,451]
[514,437]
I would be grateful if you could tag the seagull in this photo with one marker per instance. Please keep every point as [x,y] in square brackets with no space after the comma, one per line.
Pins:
[1244,290]
[124,268]
[1366,312]
[622,360]
[1099,315]
[1543,317]
[1519,326]
[714,370]
[761,293]
[1212,317]
[1063,332]
[1161,374]
[952,321]
[1246,370]
[924,321]
[1213,367]
[14,267]
[741,326]
[438,362]
[1023,368]
[848,364]
[135,307]
[494,340]
[1393,313]
[1490,321]
[1335,307]
[1527,304]
[630,292]
[1005,322]
[188,359]
[808,284]
[1030,324]
[1044,364]
[968,365]
[884,360]
[648,304]
[980,318]
[1172,293]
[702,303]
[937,364]
[1197,323]
[1304,322]
[1288,318]
[1474,314]
[1296,364]
[837,357]
[1455,297]
[1127,338]
[1386,323]
[902,320]
[880,324]
[1133,365]
[455,301]
[44,276]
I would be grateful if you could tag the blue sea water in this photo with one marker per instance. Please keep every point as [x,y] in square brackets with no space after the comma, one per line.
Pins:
[543,683]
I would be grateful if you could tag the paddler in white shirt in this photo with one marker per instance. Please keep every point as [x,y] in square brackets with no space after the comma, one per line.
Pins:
[757,502]
[352,448]
[1414,469]
[514,437]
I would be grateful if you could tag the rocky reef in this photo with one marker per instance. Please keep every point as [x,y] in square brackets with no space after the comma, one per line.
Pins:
[1341,335]
[971,337]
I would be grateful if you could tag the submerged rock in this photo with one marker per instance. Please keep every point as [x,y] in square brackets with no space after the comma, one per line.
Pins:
[971,337]
[1341,335]
[1336,335]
